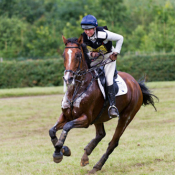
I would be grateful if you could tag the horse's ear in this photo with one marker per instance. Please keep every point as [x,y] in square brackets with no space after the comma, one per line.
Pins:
[80,39]
[64,40]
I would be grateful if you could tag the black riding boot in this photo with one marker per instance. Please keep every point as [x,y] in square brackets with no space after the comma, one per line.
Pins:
[112,111]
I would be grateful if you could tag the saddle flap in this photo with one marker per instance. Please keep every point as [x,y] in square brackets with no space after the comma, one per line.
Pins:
[119,84]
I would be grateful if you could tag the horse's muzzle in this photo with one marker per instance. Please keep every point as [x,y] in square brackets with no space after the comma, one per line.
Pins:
[69,80]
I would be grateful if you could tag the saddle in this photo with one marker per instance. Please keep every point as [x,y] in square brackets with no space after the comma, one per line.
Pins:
[101,76]
[119,84]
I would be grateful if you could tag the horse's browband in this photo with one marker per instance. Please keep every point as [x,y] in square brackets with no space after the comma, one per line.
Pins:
[72,47]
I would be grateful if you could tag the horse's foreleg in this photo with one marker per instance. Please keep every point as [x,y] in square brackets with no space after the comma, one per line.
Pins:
[81,122]
[59,125]
[100,134]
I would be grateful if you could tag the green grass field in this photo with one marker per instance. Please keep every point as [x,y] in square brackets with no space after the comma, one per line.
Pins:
[35,91]
[147,147]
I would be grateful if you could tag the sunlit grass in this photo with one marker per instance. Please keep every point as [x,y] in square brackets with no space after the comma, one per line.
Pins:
[161,84]
[18,92]
[146,147]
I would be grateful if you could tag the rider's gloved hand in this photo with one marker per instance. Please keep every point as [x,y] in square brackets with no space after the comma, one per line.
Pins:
[94,54]
[113,56]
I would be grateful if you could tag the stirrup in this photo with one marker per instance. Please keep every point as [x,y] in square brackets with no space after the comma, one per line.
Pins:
[113,106]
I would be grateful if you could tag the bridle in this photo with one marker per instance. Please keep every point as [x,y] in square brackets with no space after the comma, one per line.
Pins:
[75,73]
[82,73]
[78,72]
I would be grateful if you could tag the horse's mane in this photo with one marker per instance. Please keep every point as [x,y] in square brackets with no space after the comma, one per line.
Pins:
[85,50]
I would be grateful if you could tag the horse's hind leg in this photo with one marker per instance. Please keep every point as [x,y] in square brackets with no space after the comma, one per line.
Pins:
[100,134]
[122,124]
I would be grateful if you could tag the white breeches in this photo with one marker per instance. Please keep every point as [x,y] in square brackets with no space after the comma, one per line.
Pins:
[109,68]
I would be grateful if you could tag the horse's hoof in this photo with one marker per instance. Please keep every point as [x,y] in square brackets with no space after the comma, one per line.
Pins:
[93,171]
[57,157]
[84,163]
[84,160]
[66,151]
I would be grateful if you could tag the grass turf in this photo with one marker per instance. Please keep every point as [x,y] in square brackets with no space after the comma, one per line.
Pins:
[146,147]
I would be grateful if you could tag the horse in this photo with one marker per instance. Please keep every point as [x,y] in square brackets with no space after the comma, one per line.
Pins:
[83,102]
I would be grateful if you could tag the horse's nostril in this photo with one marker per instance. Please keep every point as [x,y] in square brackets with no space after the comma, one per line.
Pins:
[70,80]
[64,79]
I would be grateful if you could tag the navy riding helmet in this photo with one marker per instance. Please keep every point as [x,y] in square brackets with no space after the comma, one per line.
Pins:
[89,22]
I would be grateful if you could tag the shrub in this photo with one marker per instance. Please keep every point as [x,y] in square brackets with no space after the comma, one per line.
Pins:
[31,73]
[49,72]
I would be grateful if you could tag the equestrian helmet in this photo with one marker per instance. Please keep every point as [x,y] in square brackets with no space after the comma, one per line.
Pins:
[89,22]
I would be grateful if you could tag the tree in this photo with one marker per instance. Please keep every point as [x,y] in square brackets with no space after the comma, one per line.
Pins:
[12,36]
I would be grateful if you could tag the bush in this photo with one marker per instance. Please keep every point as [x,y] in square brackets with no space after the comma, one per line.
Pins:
[154,68]
[31,73]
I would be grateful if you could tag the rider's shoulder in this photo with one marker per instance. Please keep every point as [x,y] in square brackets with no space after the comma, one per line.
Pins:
[101,33]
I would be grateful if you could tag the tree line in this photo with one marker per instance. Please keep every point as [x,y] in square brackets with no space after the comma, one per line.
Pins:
[33,29]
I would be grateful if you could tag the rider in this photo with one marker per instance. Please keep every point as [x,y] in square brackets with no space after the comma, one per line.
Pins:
[99,40]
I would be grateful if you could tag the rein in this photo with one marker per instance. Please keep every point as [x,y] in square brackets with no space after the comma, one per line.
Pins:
[79,72]
[76,91]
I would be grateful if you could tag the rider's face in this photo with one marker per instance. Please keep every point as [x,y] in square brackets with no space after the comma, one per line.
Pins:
[89,32]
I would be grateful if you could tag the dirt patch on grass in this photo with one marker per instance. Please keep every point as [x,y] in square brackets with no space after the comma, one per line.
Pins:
[168,121]
[158,160]
[139,164]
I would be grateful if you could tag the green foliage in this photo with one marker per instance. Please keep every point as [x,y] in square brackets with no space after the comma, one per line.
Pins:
[152,25]
[49,72]
[12,36]
[31,73]
[28,10]
[153,68]
[33,29]
[44,38]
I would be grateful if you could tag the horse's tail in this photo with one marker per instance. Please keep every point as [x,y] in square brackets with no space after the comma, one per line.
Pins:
[148,97]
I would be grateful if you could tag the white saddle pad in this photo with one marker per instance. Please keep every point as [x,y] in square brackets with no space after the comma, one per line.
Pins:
[121,84]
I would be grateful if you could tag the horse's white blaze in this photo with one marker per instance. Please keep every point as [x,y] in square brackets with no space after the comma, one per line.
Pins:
[66,75]
[70,54]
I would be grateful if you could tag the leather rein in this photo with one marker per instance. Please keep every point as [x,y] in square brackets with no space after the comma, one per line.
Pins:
[80,72]
[77,73]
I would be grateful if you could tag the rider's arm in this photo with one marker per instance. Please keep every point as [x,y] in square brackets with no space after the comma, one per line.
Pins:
[115,37]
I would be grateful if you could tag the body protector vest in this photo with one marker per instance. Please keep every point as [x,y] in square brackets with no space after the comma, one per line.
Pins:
[98,45]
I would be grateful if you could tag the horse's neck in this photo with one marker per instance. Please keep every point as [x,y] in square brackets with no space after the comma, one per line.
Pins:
[84,65]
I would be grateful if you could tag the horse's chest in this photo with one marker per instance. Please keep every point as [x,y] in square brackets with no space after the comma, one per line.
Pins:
[74,103]
[74,109]
[72,113]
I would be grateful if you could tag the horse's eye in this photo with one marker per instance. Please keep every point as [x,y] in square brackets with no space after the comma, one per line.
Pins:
[78,55]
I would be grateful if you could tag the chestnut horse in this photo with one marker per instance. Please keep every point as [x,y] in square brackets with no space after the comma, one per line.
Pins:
[83,102]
